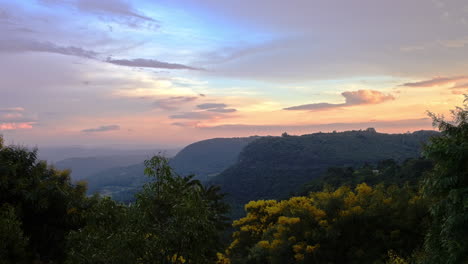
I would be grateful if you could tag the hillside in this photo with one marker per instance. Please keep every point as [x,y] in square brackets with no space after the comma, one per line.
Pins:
[204,159]
[121,183]
[275,167]
[208,158]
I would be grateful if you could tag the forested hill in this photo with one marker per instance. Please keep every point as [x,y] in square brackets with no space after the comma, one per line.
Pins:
[210,157]
[275,167]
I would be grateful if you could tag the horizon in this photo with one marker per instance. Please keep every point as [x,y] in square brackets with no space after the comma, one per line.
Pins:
[144,73]
[177,148]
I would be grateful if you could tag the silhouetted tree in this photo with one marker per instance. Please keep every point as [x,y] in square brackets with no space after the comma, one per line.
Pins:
[447,187]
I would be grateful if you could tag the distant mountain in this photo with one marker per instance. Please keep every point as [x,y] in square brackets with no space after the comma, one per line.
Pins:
[204,159]
[208,158]
[82,168]
[275,167]
[55,154]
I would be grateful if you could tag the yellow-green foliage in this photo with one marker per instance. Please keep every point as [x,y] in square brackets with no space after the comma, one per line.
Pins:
[320,227]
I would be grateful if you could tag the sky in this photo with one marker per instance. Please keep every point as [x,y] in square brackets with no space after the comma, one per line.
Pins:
[168,73]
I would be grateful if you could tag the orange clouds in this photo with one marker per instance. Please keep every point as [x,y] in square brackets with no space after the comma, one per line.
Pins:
[13,126]
[13,118]
[359,97]
[436,81]
[366,97]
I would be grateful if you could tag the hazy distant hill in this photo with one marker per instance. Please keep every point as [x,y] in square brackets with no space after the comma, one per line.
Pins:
[85,167]
[273,167]
[55,154]
[84,162]
[204,159]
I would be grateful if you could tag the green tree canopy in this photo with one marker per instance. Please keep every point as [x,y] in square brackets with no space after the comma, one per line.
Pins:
[447,187]
[175,219]
[41,200]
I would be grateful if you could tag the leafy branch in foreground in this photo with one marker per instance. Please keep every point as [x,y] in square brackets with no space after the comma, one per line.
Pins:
[447,187]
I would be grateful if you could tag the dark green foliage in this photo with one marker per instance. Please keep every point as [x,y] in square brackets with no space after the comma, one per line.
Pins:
[174,219]
[13,243]
[47,206]
[116,182]
[447,187]
[110,235]
[275,167]
[387,172]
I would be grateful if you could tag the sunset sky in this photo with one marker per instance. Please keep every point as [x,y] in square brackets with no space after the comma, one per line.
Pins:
[168,73]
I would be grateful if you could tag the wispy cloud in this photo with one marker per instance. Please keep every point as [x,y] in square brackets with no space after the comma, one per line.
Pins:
[117,9]
[436,81]
[186,124]
[222,110]
[25,45]
[15,118]
[101,129]
[211,106]
[173,103]
[193,115]
[359,97]
[216,108]
[148,63]
[14,126]
[461,88]
[11,109]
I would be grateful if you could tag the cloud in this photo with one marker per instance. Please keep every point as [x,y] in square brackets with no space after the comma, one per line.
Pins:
[211,105]
[25,45]
[174,102]
[435,81]
[216,108]
[102,129]
[366,97]
[316,106]
[193,115]
[113,8]
[148,63]
[14,126]
[359,97]
[186,124]
[461,88]
[14,118]
[222,110]
[11,110]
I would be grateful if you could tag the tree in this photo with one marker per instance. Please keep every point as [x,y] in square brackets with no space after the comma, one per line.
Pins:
[13,243]
[175,219]
[447,187]
[345,225]
[41,202]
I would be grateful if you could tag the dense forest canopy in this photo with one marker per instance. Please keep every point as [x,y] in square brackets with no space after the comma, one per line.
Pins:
[276,167]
